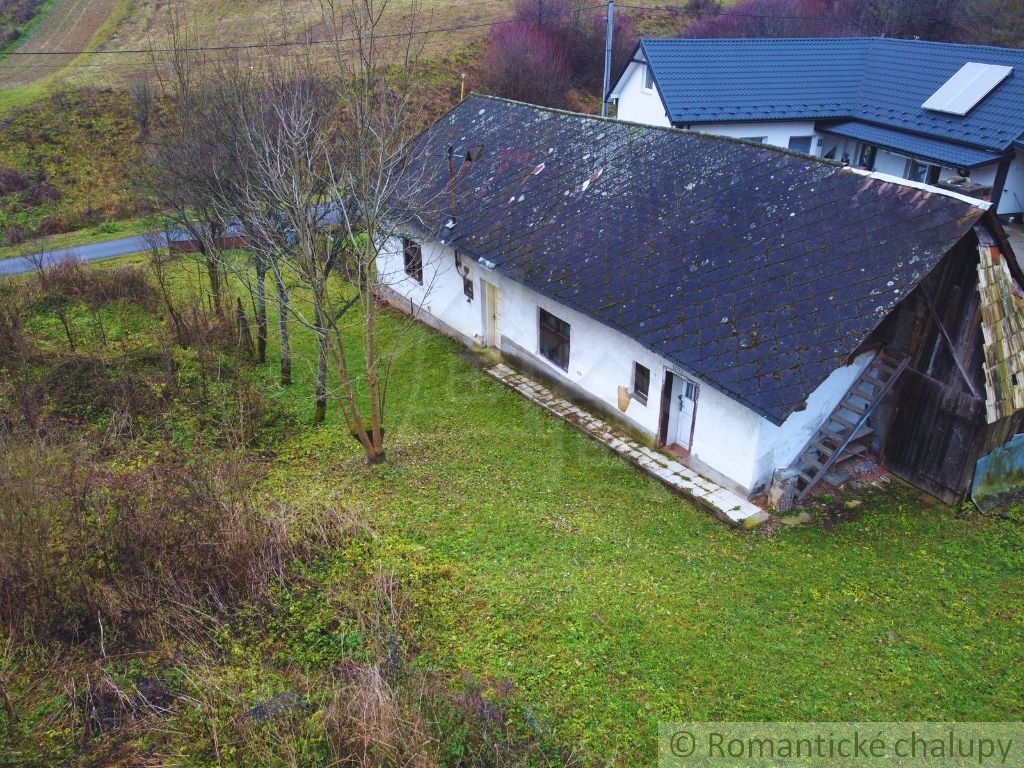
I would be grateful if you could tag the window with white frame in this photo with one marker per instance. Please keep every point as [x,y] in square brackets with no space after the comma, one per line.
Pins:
[648,78]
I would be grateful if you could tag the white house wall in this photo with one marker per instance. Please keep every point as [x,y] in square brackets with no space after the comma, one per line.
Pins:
[731,443]
[779,446]
[638,104]
[775,133]
[441,294]
[1012,199]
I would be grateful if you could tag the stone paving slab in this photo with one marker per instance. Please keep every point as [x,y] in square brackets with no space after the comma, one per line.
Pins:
[723,503]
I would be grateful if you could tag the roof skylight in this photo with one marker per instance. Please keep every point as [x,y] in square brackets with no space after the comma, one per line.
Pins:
[972,83]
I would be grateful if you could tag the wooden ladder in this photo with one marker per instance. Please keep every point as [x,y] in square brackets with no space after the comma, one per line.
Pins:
[842,435]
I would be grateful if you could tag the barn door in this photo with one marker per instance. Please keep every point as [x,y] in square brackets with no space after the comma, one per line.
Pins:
[933,435]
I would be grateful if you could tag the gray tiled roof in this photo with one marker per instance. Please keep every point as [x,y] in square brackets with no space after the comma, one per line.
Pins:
[878,80]
[756,269]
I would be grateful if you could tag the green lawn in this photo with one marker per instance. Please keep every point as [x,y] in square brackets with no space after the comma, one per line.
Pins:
[612,604]
[532,554]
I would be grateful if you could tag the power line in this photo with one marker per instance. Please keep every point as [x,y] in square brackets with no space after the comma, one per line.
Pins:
[784,17]
[433,31]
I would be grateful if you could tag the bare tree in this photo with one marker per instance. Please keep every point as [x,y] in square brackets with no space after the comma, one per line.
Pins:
[376,56]
[274,119]
[198,173]
[315,167]
[180,175]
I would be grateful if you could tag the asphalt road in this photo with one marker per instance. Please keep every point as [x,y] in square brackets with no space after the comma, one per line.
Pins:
[108,249]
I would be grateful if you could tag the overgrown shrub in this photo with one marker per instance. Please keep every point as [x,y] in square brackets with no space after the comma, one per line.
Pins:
[14,15]
[72,280]
[143,548]
[82,388]
[12,180]
[13,341]
[559,45]
[525,63]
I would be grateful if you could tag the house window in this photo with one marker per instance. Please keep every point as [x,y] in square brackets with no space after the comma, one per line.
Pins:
[918,171]
[648,78]
[554,339]
[413,257]
[641,382]
[467,287]
[866,159]
[755,139]
[801,144]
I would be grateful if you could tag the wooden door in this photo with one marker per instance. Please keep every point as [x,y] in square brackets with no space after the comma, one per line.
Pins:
[934,436]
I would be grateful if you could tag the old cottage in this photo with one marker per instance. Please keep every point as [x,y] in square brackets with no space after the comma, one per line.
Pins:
[744,306]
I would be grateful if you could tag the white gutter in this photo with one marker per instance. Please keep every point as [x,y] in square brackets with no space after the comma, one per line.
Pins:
[978,203]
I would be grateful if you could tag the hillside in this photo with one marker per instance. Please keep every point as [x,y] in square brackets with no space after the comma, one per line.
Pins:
[132,29]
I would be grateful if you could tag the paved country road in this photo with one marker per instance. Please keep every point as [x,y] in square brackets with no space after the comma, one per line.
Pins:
[93,252]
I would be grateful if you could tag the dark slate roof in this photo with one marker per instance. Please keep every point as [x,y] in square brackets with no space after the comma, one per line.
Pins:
[945,152]
[878,80]
[756,269]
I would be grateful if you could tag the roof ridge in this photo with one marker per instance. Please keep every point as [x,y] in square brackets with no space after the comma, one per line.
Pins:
[851,38]
[884,177]
[662,128]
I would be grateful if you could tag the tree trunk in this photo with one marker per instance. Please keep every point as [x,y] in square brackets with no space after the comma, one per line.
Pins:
[215,287]
[244,336]
[64,321]
[261,310]
[282,323]
[373,383]
[321,365]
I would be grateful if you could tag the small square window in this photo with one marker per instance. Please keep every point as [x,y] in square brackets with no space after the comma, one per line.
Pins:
[641,382]
[755,139]
[554,339]
[413,257]
[648,77]
[467,287]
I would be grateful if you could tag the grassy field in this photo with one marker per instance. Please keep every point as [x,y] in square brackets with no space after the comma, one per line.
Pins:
[530,554]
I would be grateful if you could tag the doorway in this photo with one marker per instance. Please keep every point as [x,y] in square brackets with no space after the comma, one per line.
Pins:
[678,407]
[489,308]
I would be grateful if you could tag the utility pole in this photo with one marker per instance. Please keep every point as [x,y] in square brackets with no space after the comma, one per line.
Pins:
[608,58]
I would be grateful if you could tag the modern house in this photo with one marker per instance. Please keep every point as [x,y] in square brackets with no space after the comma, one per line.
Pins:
[940,113]
[746,307]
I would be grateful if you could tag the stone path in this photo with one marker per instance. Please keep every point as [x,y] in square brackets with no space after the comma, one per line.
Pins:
[724,504]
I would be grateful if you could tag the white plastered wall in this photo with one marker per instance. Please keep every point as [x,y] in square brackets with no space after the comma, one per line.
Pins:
[731,442]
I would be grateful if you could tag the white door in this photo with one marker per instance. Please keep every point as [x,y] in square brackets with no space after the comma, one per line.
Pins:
[681,405]
[489,307]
